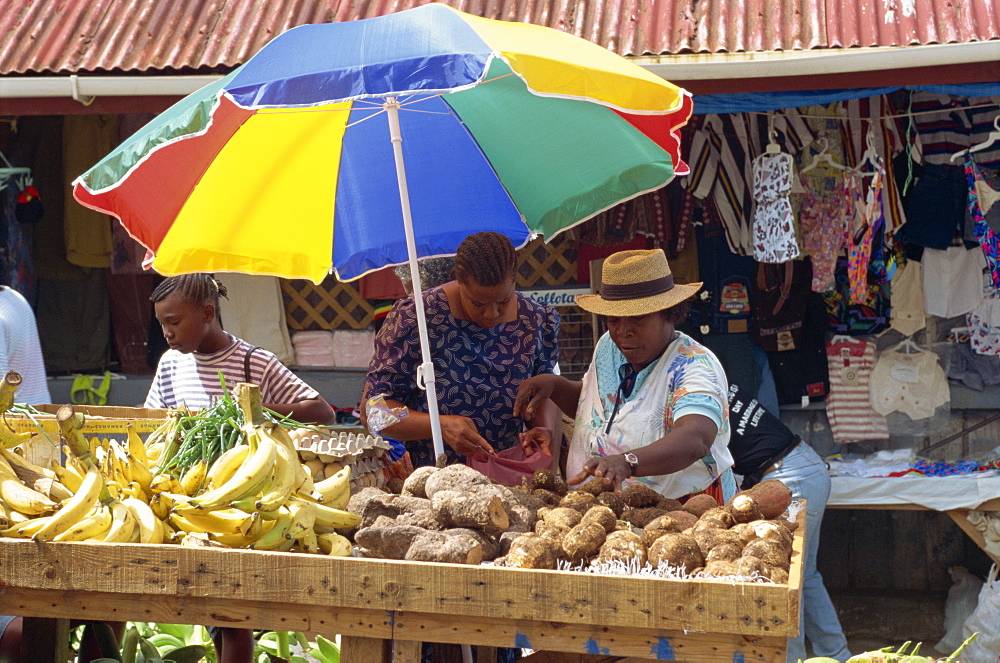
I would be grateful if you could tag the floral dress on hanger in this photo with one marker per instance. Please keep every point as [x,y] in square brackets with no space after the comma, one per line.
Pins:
[989,240]
[823,219]
[773,221]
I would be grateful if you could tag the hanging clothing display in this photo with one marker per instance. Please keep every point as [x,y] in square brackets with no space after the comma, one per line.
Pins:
[912,383]
[865,247]
[981,207]
[866,319]
[850,362]
[773,223]
[824,214]
[87,138]
[984,325]
[907,295]
[953,281]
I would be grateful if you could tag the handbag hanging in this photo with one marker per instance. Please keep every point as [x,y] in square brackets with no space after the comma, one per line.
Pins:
[780,294]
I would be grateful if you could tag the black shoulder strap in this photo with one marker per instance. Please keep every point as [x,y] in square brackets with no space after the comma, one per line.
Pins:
[246,363]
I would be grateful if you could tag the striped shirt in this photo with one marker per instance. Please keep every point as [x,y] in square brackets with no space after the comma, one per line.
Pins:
[193,379]
[20,349]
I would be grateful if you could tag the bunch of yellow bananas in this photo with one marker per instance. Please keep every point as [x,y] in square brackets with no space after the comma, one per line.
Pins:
[256,495]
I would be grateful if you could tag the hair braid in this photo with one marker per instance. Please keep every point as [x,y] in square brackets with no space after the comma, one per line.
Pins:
[488,258]
[199,288]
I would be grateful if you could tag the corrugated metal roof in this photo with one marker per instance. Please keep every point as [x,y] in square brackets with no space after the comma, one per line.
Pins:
[76,36]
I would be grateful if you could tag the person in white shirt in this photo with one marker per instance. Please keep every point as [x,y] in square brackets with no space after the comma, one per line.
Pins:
[20,349]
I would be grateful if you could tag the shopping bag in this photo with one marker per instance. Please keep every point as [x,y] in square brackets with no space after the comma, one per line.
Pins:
[984,620]
[511,465]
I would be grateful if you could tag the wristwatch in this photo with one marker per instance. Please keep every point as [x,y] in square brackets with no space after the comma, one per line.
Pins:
[632,461]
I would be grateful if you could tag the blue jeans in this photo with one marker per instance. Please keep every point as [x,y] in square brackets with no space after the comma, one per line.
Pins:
[805,473]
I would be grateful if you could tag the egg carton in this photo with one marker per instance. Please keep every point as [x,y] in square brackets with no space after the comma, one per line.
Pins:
[342,447]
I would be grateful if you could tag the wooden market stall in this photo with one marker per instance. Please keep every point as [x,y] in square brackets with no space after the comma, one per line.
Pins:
[383,609]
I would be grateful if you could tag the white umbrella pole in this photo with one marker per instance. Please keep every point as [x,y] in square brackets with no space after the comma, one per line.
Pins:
[425,372]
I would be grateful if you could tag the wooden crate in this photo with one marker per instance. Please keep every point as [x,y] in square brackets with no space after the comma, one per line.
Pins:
[371,602]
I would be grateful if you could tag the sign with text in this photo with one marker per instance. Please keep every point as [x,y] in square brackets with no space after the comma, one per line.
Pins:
[557,297]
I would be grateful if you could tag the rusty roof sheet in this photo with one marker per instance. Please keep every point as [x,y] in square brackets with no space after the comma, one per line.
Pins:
[77,36]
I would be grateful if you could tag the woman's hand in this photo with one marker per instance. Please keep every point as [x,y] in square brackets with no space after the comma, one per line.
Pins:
[532,392]
[611,469]
[540,437]
[460,434]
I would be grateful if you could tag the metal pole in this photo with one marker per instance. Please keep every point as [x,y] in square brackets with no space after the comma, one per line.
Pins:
[425,372]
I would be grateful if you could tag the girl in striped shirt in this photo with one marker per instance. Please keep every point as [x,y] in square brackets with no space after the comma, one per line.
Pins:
[188,372]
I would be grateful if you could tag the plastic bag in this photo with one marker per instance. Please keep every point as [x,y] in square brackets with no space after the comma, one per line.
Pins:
[962,598]
[510,465]
[985,620]
[380,415]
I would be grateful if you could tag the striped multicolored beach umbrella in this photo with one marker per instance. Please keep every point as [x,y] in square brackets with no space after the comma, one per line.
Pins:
[286,166]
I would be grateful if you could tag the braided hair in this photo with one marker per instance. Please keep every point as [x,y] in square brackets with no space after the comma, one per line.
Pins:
[488,258]
[199,288]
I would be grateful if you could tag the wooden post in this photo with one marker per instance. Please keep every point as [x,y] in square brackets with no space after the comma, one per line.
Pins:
[45,640]
[365,650]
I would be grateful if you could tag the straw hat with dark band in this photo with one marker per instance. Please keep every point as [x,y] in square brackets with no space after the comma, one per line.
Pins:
[636,283]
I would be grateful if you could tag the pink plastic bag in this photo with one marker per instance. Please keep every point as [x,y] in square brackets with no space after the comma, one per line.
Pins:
[510,465]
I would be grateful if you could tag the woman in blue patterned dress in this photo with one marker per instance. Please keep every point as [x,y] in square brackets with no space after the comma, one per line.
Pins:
[485,338]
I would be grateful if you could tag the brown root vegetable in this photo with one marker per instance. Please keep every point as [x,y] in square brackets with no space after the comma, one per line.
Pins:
[767,529]
[387,542]
[583,542]
[563,516]
[594,486]
[530,551]
[640,495]
[721,514]
[546,496]
[659,526]
[393,506]
[669,504]
[613,501]
[521,508]
[543,478]
[725,552]
[577,500]
[357,502]
[748,565]
[414,484]
[776,574]
[552,531]
[699,504]
[684,519]
[623,546]
[745,532]
[708,539]
[560,488]
[394,486]
[447,548]
[504,541]
[485,512]
[642,516]
[490,545]
[676,550]
[720,568]
[744,508]
[769,551]
[600,515]
[708,523]
[772,497]
[787,524]
[454,477]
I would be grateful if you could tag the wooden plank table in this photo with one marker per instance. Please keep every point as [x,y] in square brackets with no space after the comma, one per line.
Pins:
[383,609]
[959,515]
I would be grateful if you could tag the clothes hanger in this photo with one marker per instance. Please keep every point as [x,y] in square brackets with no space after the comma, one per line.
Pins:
[823,156]
[907,346]
[870,158]
[9,171]
[773,147]
[992,138]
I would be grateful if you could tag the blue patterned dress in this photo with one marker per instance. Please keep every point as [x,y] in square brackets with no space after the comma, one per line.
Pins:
[477,370]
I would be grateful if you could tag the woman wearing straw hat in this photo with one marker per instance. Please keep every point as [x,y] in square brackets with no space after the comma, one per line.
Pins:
[652,407]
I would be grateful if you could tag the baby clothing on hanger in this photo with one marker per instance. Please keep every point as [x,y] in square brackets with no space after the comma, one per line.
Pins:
[773,222]
[848,408]
[911,383]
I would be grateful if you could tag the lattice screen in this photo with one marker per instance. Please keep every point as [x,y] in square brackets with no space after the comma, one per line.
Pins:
[336,305]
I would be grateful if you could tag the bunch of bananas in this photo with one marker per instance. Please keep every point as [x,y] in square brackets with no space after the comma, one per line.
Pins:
[256,495]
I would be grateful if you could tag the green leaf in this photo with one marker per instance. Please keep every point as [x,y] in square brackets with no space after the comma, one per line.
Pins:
[330,651]
[186,654]
[182,632]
